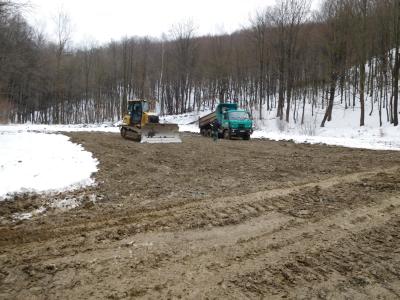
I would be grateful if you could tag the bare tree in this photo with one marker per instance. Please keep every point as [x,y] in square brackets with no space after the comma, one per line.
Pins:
[287,16]
[359,11]
[396,68]
[185,48]
[63,32]
[334,43]
[281,59]
[260,24]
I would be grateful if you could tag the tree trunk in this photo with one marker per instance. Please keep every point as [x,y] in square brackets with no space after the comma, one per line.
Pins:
[396,89]
[396,64]
[329,108]
[362,94]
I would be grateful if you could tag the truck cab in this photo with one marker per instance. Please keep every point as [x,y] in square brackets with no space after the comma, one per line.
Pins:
[234,122]
[228,121]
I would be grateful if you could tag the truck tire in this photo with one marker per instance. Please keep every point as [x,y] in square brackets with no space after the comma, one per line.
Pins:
[246,137]
[227,134]
[123,132]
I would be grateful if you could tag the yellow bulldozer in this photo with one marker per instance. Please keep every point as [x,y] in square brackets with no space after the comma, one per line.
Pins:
[141,125]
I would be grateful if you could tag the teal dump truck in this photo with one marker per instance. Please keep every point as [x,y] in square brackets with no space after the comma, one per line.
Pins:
[227,121]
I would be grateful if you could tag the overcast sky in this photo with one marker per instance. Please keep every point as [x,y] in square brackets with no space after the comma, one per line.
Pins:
[101,21]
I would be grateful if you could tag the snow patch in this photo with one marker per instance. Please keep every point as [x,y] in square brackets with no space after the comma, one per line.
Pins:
[65,204]
[189,128]
[12,128]
[28,215]
[39,162]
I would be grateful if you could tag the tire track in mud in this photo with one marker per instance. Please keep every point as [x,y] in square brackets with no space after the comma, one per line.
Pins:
[238,269]
[235,210]
[200,217]
[217,220]
[248,253]
[253,233]
[199,214]
[363,264]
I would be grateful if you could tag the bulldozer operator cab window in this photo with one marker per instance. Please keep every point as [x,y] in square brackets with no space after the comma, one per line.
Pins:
[136,113]
[239,116]
[145,107]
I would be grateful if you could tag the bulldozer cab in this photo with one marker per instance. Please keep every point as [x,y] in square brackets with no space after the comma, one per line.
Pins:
[136,110]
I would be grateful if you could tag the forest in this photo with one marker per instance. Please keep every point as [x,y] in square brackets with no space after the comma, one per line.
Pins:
[288,56]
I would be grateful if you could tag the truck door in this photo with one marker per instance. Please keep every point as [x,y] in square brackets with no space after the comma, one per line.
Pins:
[225,120]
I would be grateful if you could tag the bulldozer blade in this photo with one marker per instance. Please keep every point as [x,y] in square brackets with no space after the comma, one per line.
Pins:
[160,134]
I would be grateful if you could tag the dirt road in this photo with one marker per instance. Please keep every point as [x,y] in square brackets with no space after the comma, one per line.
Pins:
[206,220]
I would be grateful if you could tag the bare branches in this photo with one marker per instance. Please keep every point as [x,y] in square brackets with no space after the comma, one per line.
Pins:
[8,8]
[284,60]
[183,31]
[63,30]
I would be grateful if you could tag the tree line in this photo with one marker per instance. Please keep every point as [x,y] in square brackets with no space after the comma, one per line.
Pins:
[287,60]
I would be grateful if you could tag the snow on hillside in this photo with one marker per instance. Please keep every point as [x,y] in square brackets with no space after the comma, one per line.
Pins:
[343,130]
[185,119]
[42,162]
[187,122]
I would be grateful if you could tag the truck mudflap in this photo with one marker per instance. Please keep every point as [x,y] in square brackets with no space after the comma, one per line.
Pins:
[160,134]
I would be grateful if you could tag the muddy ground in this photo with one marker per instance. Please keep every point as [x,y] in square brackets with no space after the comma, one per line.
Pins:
[206,220]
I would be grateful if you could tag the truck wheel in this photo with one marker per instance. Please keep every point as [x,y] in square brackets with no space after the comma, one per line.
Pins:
[227,135]
[123,132]
[246,137]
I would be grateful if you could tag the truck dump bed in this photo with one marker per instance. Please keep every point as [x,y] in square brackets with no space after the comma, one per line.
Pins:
[208,119]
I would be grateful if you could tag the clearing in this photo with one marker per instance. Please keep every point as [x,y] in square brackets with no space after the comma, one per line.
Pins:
[204,219]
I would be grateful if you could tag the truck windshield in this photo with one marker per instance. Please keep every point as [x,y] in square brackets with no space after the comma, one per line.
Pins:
[238,115]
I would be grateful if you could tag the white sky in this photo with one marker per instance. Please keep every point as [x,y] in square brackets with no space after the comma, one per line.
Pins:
[101,21]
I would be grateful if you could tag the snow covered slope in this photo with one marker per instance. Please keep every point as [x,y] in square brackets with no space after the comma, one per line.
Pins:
[187,122]
[42,162]
[107,127]
[343,130]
